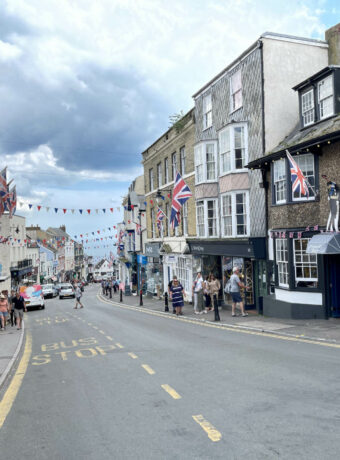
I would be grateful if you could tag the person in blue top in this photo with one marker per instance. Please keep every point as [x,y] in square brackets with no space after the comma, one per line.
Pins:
[176,294]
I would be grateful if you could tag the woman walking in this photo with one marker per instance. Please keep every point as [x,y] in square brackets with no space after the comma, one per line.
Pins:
[3,311]
[176,294]
[214,287]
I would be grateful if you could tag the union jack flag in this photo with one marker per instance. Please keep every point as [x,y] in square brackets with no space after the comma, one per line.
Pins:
[12,201]
[299,182]
[181,194]
[160,218]
[3,191]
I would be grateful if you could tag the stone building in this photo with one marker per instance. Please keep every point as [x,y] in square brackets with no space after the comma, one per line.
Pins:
[166,249]
[240,114]
[303,210]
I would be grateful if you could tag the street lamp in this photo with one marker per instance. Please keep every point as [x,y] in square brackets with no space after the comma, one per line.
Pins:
[159,197]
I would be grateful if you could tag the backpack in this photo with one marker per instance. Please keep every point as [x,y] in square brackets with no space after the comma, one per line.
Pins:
[227,288]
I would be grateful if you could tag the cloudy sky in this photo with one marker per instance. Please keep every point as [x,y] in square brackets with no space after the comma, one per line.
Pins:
[86,86]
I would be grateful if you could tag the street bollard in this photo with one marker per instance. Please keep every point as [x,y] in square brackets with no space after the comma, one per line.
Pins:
[141,297]
[166,302]
[120,295]
[217,314]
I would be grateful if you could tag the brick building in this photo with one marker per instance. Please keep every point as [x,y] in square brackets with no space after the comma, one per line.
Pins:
[166,249]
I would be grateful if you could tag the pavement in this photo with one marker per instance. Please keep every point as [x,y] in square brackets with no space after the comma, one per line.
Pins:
[314,329]
[10,344]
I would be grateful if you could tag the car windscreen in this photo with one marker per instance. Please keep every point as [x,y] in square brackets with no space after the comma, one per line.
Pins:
[47,286]
[66,286]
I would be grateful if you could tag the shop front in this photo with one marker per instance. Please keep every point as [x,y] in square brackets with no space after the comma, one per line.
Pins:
[219,258]
[142,262]
[154,269]
[180,265]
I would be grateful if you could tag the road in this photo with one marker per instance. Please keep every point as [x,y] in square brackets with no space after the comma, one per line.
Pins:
[111,382]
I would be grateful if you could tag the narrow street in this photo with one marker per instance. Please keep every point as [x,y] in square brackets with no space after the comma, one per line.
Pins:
[108,382]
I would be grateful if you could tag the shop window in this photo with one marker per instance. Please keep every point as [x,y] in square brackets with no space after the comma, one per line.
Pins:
[306,268]
[282,261]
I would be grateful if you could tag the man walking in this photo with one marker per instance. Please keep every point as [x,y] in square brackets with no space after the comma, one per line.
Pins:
[78,296]
[19,308]
[235,285]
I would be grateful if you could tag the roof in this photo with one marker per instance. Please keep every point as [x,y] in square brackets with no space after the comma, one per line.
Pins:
[57,232]
[318,74]
[302,139]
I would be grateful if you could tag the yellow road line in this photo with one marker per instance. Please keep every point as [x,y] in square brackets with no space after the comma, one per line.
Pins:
[225,327]
[132,355]
[171,391]
[119,345]
[108,337]
[13,389]
[102,332]
[95,327]
[148,369]
[211,431]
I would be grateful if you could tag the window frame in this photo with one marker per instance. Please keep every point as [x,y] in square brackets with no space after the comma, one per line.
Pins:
[207,111]
[310,109]
[174,165]
[282,266]
[151,183]
[166,170]
[233,108]
[232,194]
[284,180]
[153,223]
[203,162]
[320,109]
[159,175]
[231,128]
[203,203]
[304,263]
[302,198]
[185,218]
[182,159]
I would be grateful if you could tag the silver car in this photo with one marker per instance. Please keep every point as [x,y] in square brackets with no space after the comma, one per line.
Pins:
[49,290]
[66,290]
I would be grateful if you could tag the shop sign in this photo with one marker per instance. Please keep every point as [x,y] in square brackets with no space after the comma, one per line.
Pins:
[170,259]
[142,260]
[152,249]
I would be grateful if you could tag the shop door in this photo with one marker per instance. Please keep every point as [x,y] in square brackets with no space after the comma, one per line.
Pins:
[334,285]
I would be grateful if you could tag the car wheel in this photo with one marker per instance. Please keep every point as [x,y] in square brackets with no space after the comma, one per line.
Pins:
[60,297]
[43,307]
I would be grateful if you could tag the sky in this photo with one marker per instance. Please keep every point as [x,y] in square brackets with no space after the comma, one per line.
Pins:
[86,86]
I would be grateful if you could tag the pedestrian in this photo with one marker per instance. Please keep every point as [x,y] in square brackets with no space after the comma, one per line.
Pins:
[19,308]
[206,294]
[114,285]
[235,285]
[198,294]
[4,309]
[78,295]
[103,287]
[11,308]
[110,288]
[214,288]
[169,292]
[176,294]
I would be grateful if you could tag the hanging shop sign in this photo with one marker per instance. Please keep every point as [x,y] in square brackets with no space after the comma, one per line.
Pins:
[152,249]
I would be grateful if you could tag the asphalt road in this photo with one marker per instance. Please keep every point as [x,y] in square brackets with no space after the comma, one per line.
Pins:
[109,382]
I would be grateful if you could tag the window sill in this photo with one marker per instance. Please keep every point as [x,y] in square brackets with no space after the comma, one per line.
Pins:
[235,110]
[314,200]
[214,181]
[235,171]
[206,129]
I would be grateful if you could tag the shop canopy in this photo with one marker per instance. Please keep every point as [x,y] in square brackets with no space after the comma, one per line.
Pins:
[324,243]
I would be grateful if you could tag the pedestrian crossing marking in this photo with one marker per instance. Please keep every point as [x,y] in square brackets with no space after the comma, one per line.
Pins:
[173,393]
[211,431]
[95,327]
[102,332]
[132,355]
[119,345]
[108,337]
[148,369]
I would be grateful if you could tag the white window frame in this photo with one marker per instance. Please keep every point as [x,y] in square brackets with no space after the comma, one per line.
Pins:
[182,157]
[280,181]
[298,158]
[174,165]
[282,262]
[307,107]
[166,170]
[183,273]
[325,97]
[203,204]
[234,91]
[227,156]
[207,111]
[151,184]
[201,164]
[185,218]
[308,261]
[234,214]
[159,175]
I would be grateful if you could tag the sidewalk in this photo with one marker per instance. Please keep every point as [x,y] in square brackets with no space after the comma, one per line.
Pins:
[10,344]
[317,329]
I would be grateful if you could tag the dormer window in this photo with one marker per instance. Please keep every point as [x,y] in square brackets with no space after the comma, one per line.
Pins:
[325,97]
[307,107]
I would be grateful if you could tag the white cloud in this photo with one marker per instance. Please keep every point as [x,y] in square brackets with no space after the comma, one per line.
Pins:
[8,51]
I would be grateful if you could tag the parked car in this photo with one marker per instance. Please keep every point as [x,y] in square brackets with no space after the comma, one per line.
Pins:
[33,296]
[49,290]
[66,290]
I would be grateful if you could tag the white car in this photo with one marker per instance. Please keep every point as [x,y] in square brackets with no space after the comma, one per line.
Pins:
[49,290]
[66,290]
[33,296]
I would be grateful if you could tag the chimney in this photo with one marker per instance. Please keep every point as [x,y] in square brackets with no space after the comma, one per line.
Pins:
[332,36]
[63,228]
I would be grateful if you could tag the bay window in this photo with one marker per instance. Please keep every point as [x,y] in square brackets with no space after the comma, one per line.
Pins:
[206,218]
[235,214]
[233,144]
[205,162]
[282,261]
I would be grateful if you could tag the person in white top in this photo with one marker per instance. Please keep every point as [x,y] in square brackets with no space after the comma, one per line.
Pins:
[198,294]
[78,296]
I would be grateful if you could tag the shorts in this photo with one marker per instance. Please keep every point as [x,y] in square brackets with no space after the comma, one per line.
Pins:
[3,313]
[236,296]
[78,298]
[18,313]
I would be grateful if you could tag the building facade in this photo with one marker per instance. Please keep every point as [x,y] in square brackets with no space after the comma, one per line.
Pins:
[244,111]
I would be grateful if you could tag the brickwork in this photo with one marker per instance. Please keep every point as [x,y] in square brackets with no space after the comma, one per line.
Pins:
[170,143]
[311,213]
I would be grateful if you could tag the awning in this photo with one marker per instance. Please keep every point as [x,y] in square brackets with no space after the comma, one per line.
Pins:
[324,243]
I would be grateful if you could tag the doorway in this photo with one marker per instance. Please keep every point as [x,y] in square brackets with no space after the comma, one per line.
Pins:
[334,285]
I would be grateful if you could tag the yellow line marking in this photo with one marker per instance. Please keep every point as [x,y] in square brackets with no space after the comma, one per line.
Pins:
[119,345]
[102,332]
[171,391]
[148,369]
[224,327]
[95,327]
[108,337]
[211,431]
[132,355]
[14,387]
